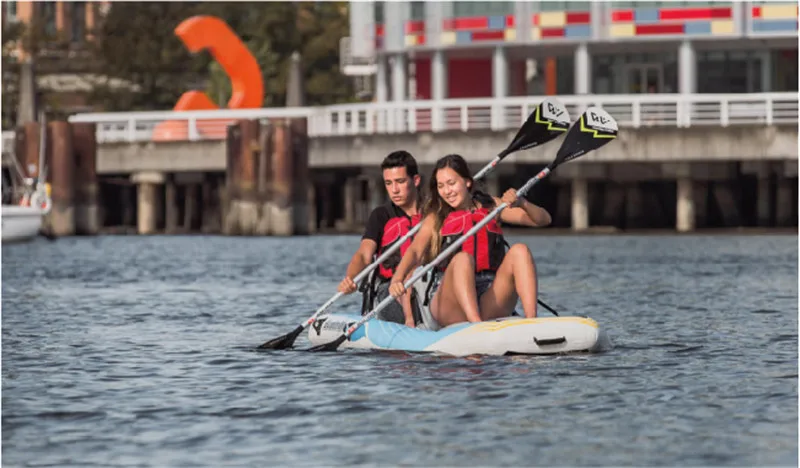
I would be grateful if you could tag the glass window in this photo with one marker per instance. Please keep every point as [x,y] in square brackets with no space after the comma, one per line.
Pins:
[49,17]
[378,12]
[783,70]
[461,9]
[417,11]
[565,75]
[11,9]
[729,72]
[78,30]
[635,73]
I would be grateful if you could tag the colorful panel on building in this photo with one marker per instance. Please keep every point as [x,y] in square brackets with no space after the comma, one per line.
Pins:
[414,33]
[561,24]
[666,21]
[774,18]
[470,30]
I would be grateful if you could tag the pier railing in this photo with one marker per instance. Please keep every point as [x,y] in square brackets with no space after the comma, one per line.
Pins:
[630,110]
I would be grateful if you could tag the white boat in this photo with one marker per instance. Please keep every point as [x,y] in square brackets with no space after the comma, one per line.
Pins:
[20,223]
[506,336]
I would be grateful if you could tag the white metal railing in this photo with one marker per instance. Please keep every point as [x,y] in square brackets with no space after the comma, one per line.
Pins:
[630,110]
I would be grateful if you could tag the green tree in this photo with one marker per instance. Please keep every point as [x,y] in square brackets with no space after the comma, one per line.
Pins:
[143,64]
[137,43]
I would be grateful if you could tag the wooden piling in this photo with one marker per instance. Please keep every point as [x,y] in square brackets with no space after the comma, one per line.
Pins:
[242,212]
[84,142]
[282,216]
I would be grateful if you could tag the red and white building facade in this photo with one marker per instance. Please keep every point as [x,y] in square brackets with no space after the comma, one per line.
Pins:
[447,50]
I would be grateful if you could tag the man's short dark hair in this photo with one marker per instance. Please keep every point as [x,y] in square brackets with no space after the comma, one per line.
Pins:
[401,159]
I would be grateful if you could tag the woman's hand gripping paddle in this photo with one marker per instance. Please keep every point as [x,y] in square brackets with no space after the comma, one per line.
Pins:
[549,120]
[594,128]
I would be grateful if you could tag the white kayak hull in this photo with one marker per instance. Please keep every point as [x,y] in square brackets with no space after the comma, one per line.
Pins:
[512,335]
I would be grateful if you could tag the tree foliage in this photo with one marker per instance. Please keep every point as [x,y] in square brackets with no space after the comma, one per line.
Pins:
[136,43]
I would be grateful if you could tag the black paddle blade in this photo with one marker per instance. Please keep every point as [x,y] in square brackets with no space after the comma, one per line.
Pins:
[332,346]
[549,120]
[283,342]
[594,128]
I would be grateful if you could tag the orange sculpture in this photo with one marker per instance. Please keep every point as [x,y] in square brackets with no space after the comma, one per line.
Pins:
[247,84]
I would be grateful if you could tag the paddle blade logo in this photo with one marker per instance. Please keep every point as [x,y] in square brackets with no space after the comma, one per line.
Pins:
[317,325]
[549,120]
[594,128]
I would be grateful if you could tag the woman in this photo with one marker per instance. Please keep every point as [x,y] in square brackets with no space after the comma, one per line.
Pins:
[482,281]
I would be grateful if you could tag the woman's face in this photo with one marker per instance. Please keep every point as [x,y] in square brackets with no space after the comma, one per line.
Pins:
[453,188]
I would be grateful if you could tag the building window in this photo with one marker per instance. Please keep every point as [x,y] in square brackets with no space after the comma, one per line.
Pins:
[635,73]
[729,72]
[467,9]
[49,17]
[784,70]
[11,10]
[78,29]
[417,11]
[378,12]
[565,6]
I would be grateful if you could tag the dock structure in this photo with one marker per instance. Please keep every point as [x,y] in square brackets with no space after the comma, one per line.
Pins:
[301,170]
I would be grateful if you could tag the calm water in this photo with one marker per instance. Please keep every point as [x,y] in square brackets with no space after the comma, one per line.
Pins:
[137,351]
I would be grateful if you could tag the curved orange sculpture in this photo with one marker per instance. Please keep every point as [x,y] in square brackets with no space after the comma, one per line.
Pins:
[247,84]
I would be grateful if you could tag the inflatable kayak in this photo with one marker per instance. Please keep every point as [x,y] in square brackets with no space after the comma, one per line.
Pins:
[506,336]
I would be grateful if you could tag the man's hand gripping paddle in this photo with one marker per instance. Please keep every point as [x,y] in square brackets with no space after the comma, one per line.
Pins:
[594,128]
[549,120]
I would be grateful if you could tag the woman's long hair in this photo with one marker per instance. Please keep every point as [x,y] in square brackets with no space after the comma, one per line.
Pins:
[435,203]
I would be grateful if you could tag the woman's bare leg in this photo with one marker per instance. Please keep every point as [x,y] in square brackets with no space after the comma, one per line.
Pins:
[456,299]
[515,278]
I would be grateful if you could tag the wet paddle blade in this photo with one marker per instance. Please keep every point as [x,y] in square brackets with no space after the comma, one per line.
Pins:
[283,342]
[547,122]
[594,128]
[332,346]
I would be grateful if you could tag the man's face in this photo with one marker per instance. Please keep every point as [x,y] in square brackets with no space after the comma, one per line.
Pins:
[401,188]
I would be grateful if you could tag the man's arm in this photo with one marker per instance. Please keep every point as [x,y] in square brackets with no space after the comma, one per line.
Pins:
[366,251]
[362,258]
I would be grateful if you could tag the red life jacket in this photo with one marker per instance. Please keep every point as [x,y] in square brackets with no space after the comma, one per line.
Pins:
[393,230]
[487,246]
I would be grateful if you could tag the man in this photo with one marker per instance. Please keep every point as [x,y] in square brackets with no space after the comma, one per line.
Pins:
[386,225]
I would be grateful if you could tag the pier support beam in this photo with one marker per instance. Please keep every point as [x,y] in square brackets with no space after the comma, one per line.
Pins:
[61,219]
[147,200]
[171,207]
[783,203]
[243,210]
[580,204]
[684,212]
[87,213]
[350,187]
[190,206]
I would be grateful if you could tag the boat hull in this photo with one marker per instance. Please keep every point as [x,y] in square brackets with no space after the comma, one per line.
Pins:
[20,223]
[512,335]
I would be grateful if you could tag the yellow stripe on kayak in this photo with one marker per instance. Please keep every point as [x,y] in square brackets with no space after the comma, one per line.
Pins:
[497,326]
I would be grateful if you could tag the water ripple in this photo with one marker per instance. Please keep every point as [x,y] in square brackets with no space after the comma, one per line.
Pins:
[138,351]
